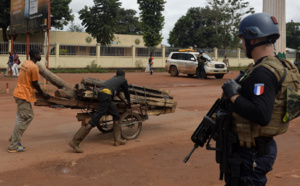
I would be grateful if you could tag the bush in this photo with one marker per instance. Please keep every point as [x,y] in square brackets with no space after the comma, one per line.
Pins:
[93,65]
[63,52]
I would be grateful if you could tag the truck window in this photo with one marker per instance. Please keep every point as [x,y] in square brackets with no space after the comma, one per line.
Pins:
[182,56]
[174,56]
[190,57]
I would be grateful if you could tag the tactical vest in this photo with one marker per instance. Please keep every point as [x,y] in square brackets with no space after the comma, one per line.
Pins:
[287,76]
[199,59]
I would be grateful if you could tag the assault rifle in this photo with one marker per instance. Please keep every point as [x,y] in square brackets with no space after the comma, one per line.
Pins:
[220,131]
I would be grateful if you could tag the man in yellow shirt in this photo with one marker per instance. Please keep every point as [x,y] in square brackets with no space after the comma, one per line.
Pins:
[24,94]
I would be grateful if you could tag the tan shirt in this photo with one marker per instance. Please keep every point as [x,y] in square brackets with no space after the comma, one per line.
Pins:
[226,61]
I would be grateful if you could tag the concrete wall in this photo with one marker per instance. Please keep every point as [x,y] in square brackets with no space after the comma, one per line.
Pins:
[128,41]
[64,61]
[83,61]
[79,38]
[57,38]
[112,62]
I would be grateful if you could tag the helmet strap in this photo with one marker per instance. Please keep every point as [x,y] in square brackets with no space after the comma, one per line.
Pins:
[274,48]
[250,47]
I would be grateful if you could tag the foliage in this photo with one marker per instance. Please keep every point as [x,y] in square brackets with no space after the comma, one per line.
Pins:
[100,20]
[293,35]
[75,27]
[228,18]
[194,29]
[93,65]
[215,25]
[5,17]
[152,21]
[127,22]
[61,14]
[139,64]
[63,51]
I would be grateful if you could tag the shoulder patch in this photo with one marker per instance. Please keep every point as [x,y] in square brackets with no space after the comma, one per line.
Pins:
[259,88]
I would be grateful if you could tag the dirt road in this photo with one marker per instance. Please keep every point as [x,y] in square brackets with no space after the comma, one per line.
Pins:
[154,158]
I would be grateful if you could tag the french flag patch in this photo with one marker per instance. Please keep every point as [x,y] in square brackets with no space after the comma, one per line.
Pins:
[259,89]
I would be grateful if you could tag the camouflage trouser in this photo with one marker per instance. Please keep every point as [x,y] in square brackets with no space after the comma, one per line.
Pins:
[23,119]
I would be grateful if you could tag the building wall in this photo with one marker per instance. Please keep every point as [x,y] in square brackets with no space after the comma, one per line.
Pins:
[130,59]
[112,61]
[79,38]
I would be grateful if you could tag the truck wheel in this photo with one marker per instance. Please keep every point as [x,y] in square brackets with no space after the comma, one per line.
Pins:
[173,71]
[219,76]
[190,75]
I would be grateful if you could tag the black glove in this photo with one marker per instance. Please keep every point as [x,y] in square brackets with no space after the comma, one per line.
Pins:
[231,87]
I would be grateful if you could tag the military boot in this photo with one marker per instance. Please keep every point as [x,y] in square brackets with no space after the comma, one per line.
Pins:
[78,137]
[117,134]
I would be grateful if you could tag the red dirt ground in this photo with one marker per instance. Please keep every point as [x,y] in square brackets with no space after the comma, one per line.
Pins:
[154,158]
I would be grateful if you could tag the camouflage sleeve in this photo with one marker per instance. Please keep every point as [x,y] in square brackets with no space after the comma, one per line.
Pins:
[292,105]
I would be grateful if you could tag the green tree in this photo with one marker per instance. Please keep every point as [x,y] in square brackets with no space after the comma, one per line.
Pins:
[195,28]
[293,34]
[152,21]
[5,17]
[61,14]
[127,22]
[100,20]
[75,27]
[215,25]
[228,17]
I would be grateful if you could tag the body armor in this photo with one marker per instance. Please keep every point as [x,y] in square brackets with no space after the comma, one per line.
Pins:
[200,59]
[287,76]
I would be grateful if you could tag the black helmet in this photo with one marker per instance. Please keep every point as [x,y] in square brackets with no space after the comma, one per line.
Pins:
[256,26]
[201,51]
[259,25]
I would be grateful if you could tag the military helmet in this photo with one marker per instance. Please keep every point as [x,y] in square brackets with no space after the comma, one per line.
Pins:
[259,25]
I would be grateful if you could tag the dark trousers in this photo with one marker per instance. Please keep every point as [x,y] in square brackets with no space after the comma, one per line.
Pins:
[256,177]
[151,70]
[201,70]
[105,106]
